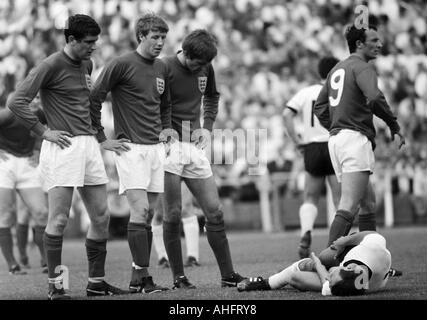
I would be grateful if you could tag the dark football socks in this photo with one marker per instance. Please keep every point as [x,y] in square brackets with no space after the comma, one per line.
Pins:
[172,240]
[96,251]
[218,241]
[340,226]
[150,239]
[138,245]
[38,232]
[53,250]
[367,222]
[6,244]
[22,239]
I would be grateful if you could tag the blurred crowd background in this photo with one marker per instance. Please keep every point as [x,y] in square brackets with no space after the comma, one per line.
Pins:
[268,50]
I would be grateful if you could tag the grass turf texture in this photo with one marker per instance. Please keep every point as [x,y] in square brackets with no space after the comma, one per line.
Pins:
[253,254]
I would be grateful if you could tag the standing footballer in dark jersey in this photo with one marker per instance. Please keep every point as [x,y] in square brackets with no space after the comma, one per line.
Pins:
[138,84]
[70,156]
[19,151]
[346,106]
[191,79]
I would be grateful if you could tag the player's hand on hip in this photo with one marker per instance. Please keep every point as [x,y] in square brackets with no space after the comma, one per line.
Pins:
[401,137]
[3,156]
[117,146]
[201,138]
[59,137]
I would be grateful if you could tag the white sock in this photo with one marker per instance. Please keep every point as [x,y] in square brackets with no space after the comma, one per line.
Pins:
[307,217]
[135,266]
[96,279]
[281,279]
[191,231]
[159,245]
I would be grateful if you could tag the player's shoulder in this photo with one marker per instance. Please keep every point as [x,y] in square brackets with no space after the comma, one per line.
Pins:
[53,59]
[312,88]
[308,91]
[356,64]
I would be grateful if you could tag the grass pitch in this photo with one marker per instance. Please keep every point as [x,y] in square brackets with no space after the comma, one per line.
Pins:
[253,254]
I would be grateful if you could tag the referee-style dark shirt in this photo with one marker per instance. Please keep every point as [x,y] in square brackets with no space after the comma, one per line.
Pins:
[139,93]
[187,92]
[64,86]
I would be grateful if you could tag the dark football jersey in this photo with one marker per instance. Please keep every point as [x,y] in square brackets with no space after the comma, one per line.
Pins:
[350,98]
[64,86]
[187,92]
[139,92]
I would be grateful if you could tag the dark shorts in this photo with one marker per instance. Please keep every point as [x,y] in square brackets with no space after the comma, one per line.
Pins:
[317,161]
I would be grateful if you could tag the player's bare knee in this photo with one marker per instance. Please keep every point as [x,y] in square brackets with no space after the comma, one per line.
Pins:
[215,216]
[102,221]
[368,206]
[173,215]
[310,196]
[59,222]
[150,216]
[6,219]
[40,216]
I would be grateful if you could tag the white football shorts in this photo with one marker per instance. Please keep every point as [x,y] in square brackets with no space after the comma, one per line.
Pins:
[188,161]
[142,167]
[17,173]
[79,165]
[350,151]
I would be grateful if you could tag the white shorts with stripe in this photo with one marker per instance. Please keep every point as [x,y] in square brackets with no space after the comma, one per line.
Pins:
[351,151]
[79,165]
[142,167]
[188,161]
[18,173]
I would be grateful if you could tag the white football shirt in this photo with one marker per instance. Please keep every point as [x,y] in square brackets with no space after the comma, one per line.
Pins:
[372,252]
[303,103]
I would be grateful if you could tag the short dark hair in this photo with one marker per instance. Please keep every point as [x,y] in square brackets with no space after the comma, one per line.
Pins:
[149,22]
[346,286]
[200,44]
[353,33]
[80,26]
[325,65]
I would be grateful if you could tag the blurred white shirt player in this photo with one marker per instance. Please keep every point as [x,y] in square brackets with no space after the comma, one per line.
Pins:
[313,143]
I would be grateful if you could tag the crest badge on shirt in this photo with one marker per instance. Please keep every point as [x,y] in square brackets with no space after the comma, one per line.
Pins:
[88,81]
[202,83]
[160,85]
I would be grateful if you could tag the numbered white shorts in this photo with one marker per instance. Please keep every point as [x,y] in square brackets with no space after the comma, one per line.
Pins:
[17,173]
[142,167]
[351,151]
[188,161]
[78,165]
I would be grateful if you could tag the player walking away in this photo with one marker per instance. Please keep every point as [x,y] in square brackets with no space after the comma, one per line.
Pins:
[362,264]
[345,106]
[19,152]
[70,155]
[314,146]
[192,79]
[190,225]
[139,89]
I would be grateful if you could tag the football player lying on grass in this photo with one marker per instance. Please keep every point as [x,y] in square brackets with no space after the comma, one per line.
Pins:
[352,265]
